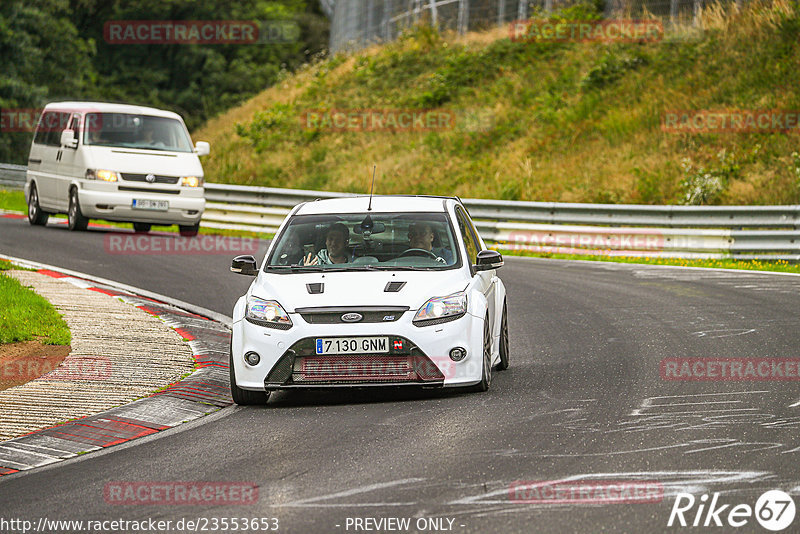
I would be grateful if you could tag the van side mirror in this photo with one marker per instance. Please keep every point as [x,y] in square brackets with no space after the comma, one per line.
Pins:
[488,260]
[68,139]
[202,148]
[245,265]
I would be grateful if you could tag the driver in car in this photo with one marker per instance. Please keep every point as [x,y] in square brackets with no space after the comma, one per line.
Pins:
[421,236]
[336,239]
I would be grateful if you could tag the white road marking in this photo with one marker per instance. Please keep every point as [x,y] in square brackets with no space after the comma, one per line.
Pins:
[356,491]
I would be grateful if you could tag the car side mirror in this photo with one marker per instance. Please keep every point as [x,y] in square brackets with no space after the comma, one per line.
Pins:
[202,148]
[245,265]
[68,139]
[488,260]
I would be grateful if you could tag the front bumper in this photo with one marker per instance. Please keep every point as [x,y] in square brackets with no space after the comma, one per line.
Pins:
[288,359]
[106,201]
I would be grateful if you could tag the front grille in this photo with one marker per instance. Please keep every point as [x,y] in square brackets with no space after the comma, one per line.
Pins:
[146,190]
[159,179]
[352,369]
[405,363]
[382,314]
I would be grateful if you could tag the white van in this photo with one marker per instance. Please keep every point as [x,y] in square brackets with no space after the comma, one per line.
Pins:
[115,162]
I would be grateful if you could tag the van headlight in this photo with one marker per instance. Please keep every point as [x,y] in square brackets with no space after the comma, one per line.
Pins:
[441,309]
[267,313]
[102,174]
[191,181]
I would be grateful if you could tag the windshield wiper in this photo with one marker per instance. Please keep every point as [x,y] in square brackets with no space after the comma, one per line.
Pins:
[401,268]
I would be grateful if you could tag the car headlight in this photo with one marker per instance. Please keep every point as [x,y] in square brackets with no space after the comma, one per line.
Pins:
[102,174]
[267,313]
[441,309]
[191,181]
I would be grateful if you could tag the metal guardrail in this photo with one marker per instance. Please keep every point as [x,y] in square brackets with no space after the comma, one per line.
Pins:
[764,232]
[12,176]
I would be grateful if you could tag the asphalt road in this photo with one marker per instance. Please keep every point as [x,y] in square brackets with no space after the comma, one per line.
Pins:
[583,400]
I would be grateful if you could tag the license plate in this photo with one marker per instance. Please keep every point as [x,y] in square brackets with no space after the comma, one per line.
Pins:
[352,345]
[146,204]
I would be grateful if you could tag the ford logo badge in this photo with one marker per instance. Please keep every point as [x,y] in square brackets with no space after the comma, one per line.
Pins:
[150,178]
[352,317]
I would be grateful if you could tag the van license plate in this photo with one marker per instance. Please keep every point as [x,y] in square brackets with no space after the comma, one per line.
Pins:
[352,345]
[145,204]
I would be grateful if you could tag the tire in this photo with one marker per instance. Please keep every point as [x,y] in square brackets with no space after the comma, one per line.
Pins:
[189,231]
[36,216]
[141,228]
[75,219]
[486,375]
[504,351]
[245,397]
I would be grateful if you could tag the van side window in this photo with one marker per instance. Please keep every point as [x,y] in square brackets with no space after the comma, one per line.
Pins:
[466,233]
[75,126]
[50,127]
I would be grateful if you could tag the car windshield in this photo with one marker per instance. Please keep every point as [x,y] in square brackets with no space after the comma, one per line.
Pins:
[365,241]
[136,131]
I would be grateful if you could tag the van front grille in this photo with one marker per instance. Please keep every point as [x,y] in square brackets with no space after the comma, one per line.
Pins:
[159,179]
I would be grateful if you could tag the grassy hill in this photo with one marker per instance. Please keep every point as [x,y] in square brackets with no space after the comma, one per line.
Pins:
[571,122]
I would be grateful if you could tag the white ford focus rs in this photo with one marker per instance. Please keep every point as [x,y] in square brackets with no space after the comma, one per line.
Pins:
[359,292]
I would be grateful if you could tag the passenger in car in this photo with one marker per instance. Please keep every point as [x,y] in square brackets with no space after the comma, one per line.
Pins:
[421,235]
[337,238]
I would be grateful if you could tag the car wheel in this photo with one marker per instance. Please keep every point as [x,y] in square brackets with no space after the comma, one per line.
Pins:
[189,231]
[503,364]
[75,219]
[141,228]
[486,375]
[35,214]
[245,397]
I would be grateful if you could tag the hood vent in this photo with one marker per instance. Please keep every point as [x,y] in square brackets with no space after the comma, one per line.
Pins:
[316,288]
[393,287]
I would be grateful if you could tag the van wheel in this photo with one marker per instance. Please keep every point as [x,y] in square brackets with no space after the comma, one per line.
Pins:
[75,219]
[142,228]
[35,214]
[189,231]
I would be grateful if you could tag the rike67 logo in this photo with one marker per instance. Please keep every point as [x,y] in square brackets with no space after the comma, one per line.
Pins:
[774,510]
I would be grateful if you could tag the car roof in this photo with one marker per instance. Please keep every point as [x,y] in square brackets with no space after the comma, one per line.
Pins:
[106,107]
[380,204]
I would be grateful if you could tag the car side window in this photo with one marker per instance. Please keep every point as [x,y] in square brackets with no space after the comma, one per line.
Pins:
[464,227]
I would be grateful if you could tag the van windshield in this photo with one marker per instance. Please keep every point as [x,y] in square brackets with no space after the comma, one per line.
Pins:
[136,131]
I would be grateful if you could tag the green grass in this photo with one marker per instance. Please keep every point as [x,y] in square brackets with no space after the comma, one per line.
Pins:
[13,201]
[25,316]
[570,122]
[725,263]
